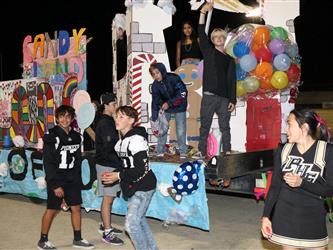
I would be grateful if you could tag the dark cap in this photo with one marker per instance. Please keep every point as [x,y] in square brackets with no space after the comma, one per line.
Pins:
[108,97]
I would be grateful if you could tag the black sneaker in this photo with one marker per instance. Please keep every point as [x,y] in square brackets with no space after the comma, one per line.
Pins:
[45,245]
[84,244]
[112,239]
[113,230]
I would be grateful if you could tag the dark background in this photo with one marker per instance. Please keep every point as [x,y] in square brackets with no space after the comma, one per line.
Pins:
[313,28]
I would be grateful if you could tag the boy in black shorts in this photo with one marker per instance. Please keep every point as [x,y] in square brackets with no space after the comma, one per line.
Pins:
[62,164]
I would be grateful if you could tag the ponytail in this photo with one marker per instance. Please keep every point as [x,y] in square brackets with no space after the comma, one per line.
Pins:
[323,132]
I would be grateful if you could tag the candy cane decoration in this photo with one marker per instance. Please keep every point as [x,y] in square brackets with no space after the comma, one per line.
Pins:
[136,83]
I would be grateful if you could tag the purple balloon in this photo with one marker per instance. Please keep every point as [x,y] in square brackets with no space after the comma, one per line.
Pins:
[246,36]
[277,46]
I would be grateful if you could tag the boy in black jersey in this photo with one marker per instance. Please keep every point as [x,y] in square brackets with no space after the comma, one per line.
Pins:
[62,164]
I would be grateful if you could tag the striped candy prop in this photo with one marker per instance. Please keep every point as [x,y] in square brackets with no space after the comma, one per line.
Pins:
[32,127]
[45,105]
[6,95]
[136,81]
[58,89]
[21,124]
[19,111]
[31,90]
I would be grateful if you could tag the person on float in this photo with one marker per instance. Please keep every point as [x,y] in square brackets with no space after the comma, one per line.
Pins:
[219,85]
[188,48]
[169,93]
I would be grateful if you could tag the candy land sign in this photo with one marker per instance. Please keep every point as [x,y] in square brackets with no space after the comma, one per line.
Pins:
[43,57]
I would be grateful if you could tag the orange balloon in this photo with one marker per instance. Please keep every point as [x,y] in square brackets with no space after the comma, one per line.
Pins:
[261,35]
[264,69]
[255,46]
[265,83]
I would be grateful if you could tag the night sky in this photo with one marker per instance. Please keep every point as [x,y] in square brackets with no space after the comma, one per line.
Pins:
[312,34]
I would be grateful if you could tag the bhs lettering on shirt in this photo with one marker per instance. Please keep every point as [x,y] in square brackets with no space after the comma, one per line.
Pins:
[307,171]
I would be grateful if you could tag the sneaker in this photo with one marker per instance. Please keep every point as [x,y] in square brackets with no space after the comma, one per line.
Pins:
[113,230]
[222,183]
[112,239]
[183,156]
[84,244]
[226,182]
[198,155]
[45,245]
[159,156]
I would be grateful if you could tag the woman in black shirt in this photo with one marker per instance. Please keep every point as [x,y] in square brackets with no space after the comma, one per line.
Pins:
[294,214]
[188,50]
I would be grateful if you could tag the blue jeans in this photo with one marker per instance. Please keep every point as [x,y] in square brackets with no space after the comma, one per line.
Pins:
[180,131]
[136,223]
[191,61]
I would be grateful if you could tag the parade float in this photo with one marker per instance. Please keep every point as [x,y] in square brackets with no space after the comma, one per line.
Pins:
[54,73]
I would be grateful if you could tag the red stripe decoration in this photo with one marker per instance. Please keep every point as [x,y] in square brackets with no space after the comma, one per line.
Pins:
[136,80]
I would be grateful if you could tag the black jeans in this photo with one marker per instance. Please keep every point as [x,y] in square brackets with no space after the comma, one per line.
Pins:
[211,104]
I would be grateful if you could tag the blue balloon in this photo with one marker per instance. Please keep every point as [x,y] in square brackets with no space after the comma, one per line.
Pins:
[185,178]
[248,63]
[282,62]
[292,50]
[241,49]
[240,74]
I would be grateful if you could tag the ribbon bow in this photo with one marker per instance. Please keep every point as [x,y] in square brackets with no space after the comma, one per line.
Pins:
[320,120]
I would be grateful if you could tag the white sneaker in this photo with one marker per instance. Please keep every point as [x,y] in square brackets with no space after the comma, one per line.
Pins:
[84,244]
[183,156]
[198,155]
[48,245]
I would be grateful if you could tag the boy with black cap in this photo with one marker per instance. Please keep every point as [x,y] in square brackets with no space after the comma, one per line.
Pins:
[106,162]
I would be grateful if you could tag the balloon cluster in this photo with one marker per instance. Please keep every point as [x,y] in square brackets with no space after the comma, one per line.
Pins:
[266,58]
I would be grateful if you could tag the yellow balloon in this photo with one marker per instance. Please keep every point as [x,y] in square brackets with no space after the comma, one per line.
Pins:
[279,80]
[240,91]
